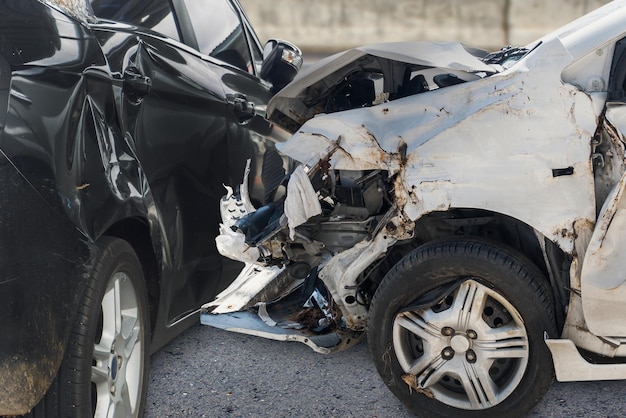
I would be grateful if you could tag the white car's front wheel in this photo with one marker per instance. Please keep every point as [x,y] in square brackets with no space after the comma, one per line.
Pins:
[456,329]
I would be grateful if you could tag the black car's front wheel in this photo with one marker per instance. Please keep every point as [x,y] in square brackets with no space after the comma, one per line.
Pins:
[105,369]
[456,329]
[120,356]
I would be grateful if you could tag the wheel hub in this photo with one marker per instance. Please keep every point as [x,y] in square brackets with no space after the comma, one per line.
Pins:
[113,368]
[460,343]
[116,364]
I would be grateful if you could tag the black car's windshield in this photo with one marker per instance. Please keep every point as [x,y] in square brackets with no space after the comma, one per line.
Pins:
[152,14]
[79,9]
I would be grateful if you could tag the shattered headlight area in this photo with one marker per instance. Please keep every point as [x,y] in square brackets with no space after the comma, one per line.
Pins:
[283,289]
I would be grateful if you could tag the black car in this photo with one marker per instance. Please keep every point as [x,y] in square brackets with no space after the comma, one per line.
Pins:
[120,121]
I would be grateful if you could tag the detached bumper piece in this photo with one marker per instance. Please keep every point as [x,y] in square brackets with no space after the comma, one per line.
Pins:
[298,308]
[245,322]
[570,366]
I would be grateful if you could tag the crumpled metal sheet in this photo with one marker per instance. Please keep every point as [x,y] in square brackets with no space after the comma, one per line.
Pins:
[301,202]
[451,55]
[248,284]
[296,97]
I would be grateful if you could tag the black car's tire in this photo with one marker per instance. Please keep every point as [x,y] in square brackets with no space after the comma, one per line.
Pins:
[456,328]
[106,362]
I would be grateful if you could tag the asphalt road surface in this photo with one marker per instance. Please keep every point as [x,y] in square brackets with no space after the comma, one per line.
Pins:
[208,372]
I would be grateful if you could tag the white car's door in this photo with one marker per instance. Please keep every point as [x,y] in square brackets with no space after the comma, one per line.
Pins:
[603,275]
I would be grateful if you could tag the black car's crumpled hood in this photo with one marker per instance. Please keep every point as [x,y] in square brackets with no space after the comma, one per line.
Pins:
[295,104]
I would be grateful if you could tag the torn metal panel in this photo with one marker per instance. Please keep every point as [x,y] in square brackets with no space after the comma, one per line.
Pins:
[341,273]
[250,282]
[249,323]
[231,243]
[232,207]
[347,144]
[571,366]
[245,193]
[301,202]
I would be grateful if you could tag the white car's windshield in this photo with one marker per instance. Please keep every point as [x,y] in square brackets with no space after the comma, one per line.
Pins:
[506,57]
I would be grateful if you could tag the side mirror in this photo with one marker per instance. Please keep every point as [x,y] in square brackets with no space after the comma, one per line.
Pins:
[281,62]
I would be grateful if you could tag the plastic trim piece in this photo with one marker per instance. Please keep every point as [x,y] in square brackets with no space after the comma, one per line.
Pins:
[570,366]
[248,323]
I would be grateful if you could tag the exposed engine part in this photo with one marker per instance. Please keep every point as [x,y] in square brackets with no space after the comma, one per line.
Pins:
[351,204]
[360,189]
[339,234]
[360,89]
[351,209]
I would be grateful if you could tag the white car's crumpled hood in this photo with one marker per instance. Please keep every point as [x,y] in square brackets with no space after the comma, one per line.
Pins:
[324,74]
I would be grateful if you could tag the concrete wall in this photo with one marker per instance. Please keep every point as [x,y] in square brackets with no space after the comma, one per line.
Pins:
[329,25]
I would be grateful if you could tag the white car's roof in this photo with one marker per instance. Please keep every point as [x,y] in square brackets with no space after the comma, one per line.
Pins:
[592,30]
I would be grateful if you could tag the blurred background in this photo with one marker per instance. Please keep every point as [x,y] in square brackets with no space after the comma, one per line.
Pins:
[321,27]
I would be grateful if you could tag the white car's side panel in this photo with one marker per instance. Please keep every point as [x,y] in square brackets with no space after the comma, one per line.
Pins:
[603,275]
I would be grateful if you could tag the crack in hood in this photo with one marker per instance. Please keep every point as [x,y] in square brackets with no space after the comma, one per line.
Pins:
[307,94]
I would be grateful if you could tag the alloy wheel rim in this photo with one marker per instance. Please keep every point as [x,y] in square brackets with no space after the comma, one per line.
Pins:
[469,350]
[117,366]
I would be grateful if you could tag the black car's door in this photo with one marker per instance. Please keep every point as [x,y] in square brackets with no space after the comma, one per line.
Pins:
[177,108]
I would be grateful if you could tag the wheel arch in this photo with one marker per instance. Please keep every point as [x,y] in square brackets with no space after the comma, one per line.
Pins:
[136,232]
[499,229]
[507,231]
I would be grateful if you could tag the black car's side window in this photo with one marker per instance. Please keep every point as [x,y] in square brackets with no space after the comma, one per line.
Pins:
[152,14]
[219,32]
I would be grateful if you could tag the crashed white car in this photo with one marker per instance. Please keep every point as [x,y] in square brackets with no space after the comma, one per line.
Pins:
[465,209]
